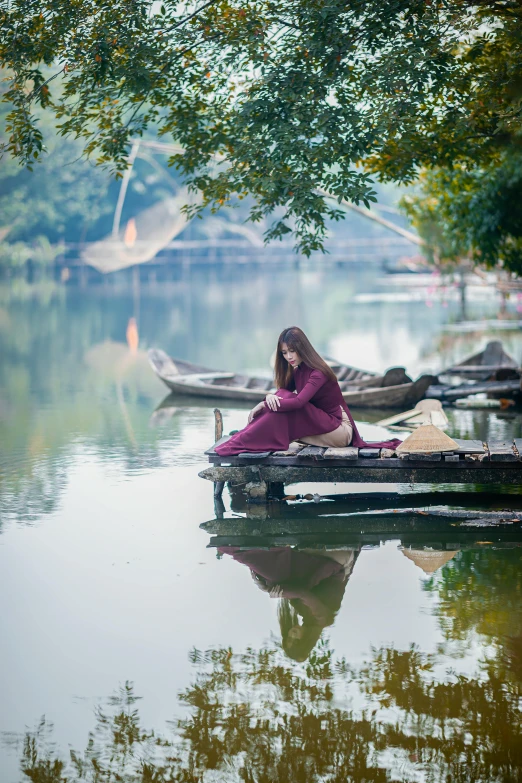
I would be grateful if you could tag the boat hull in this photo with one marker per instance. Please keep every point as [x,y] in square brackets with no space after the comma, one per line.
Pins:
[187,379]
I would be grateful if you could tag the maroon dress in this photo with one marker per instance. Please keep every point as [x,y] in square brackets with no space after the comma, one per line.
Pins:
[314,410]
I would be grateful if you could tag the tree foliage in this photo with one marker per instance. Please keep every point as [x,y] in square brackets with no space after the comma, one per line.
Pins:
[473,213]
[276,100]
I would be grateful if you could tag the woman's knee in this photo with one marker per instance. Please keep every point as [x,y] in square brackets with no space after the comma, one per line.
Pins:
[284,394]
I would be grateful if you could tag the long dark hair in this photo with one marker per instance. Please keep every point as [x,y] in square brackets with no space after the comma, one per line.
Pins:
[297,340]
[297,648]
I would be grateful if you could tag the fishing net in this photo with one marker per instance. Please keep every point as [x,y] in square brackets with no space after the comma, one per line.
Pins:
[142,237]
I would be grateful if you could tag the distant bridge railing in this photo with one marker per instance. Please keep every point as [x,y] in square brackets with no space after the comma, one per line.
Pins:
[371,249]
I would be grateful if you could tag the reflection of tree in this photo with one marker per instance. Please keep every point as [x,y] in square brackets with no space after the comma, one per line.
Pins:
[63,383]
[255,717]
[482,592]
[27,497]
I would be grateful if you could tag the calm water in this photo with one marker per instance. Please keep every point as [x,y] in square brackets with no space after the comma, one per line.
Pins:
[137,646]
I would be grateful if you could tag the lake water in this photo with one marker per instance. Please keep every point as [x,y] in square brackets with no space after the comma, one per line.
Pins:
[137,646]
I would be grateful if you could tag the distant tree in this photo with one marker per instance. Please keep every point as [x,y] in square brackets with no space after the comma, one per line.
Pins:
[472,212]
[66,198]
[268,98]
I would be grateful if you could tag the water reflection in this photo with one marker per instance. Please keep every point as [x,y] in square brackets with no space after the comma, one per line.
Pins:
[253,716]
[309,583]
[407,675]
[74,376]
[482,596]
[294,709]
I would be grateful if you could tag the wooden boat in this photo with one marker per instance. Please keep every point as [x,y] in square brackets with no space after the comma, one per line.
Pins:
[361,388]
[509,389]
[486,365]
[397,396]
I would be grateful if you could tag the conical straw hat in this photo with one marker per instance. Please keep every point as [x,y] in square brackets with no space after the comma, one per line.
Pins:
[427,439]
[430,560]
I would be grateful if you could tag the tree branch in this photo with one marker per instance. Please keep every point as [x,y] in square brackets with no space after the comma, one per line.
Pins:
[189,17]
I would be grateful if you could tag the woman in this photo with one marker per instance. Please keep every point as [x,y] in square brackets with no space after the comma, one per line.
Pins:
[307,406]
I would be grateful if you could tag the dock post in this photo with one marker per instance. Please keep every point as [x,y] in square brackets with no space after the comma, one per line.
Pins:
[218,489]
[218,424]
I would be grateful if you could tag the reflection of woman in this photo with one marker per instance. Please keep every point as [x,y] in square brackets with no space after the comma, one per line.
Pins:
[312,584]
[308,405]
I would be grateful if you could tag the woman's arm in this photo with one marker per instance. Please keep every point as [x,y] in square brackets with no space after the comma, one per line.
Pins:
[257,409]
[311,387]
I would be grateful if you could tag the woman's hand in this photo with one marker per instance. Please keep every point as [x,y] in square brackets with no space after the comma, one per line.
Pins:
[273,401]
[253,413]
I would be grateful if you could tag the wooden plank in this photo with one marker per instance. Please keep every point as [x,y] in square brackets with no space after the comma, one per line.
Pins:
[398,417]
[293,449]
[463,369]
[253,455]
[205,376]
[469,446]
[212,450]
[347,453]
[369,453]
[518,446]
[435,457]
[372,471]
[341,375]
[314,452]
[501,451]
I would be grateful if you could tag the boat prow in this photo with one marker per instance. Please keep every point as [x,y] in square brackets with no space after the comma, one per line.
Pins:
[486,364]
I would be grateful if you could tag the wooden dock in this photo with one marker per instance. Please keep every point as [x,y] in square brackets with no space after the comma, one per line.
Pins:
[266,474]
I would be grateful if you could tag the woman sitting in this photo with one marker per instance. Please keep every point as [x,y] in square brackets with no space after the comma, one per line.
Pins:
[307,406]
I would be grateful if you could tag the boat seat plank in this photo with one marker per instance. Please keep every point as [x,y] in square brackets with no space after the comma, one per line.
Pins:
[347,452]
[314,452]
[343,372]
[205,376]
[518,446]
[212,450]
[259,384]
[501,451]
[469,446]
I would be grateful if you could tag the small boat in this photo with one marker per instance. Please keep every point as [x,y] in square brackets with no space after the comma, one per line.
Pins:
[397,396]
[492,363]
[509,389]
[361,388]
